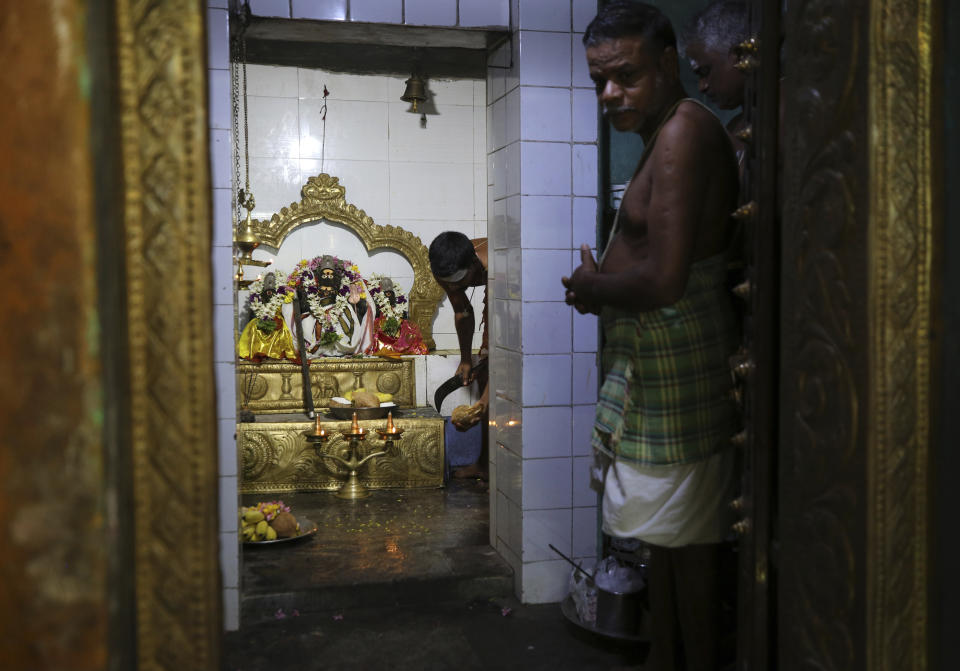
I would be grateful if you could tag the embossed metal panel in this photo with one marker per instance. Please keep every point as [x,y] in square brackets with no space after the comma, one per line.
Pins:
[824,337]
[275,456]
[277,387]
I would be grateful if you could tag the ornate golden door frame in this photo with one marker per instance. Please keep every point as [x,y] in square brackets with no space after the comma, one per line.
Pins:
[108,480]
[160,49]
[859,230]
[324,199]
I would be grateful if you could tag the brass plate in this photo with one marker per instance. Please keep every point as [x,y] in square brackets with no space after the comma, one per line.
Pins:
[362,413]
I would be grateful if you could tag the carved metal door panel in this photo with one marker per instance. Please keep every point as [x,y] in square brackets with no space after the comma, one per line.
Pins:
[835,562]
[757,365]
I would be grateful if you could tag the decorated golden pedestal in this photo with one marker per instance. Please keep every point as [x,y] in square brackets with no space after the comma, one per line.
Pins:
[276,457]
[277,386]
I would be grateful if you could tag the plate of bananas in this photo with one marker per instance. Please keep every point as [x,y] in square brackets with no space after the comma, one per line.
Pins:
[367,405]
[271,522]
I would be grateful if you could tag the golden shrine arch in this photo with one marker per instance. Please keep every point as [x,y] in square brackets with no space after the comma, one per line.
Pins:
[324,198]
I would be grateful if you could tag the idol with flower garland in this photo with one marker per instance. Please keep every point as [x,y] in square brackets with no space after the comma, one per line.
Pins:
[266,335]
[337,319]
[392,331]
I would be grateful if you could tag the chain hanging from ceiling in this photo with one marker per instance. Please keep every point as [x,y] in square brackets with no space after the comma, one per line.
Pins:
[239,77]
[245,238]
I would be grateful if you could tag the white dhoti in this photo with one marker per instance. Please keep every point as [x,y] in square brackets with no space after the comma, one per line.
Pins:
[670,506]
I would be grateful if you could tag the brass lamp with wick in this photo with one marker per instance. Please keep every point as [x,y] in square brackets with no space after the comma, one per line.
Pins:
[247,239]
[352,489]
[390,435]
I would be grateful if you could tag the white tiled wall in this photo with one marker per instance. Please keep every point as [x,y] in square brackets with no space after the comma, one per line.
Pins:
[329,10]
[423,179]
[542,140]
[220,123]
[464,13]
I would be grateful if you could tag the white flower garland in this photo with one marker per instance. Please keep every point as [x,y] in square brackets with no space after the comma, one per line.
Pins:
[267,311]
[328,315]
[383,303]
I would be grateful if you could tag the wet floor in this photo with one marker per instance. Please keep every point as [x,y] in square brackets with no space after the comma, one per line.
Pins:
[387,544]
[405,579]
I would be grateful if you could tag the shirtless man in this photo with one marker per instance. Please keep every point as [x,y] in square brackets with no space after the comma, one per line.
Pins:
[459,263]
[711,47]
[663,419]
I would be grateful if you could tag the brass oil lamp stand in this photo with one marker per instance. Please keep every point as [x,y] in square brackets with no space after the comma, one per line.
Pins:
[390,435]
[352,489]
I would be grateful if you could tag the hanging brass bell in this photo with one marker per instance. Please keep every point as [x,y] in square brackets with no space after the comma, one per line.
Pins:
[415,91]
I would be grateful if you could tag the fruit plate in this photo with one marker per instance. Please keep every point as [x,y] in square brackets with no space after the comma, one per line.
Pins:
[307,528]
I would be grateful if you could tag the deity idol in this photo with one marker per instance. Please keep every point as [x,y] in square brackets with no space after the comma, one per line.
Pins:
[392,330]
[337,319]
[266,335]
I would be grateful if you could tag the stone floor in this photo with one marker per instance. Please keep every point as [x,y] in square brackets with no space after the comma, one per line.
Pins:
[402,580]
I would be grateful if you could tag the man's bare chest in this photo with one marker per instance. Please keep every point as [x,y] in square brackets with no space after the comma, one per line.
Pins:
[635,208]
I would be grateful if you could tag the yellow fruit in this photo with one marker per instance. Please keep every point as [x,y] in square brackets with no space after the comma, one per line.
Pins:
[384,397]
[262,527]
[253,516]
[271,534]
[249,533]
